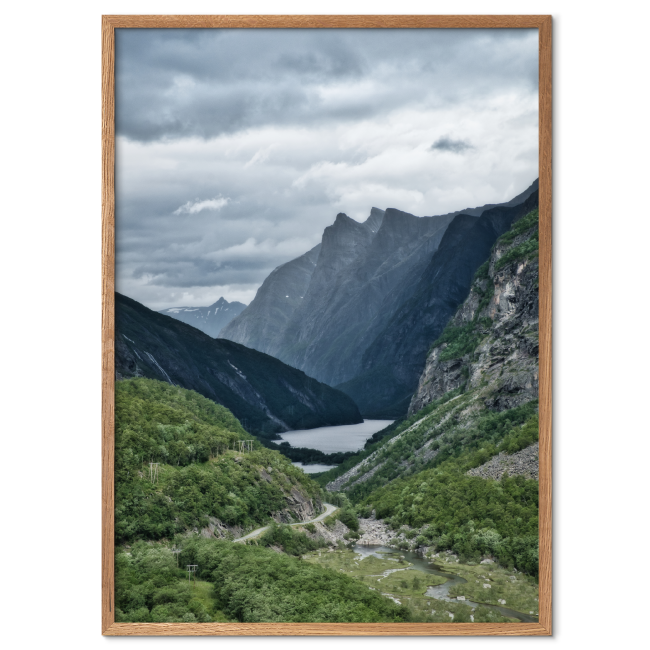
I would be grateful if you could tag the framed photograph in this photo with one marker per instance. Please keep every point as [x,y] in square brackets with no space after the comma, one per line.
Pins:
[326,325]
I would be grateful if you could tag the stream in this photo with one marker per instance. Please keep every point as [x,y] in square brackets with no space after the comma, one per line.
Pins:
[440,592]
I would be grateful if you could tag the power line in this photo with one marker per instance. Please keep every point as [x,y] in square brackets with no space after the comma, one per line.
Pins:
[191,571]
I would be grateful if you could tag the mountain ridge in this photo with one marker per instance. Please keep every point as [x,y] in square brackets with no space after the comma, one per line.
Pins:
[268,395]
[211,319]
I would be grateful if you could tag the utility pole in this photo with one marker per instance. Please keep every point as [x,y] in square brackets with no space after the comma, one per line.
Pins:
[176,551]
[153,472]
[191,571]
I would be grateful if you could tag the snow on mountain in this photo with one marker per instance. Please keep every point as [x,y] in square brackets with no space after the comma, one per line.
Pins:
[210,320]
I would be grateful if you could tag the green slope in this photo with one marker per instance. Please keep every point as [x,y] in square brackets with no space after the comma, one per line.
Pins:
[199,475]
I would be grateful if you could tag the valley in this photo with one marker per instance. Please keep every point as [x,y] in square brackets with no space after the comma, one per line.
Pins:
[427,510]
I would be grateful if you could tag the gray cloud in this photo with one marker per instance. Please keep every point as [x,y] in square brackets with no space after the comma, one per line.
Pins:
[449,144]
[179,83]
[236,148]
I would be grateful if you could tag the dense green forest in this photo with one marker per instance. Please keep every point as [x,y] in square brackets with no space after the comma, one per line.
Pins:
[469,515]
[248,584]
[199,473]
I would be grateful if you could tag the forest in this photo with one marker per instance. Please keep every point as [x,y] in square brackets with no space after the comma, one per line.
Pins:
[199,474]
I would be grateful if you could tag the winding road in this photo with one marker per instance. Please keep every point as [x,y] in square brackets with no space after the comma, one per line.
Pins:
[329,509]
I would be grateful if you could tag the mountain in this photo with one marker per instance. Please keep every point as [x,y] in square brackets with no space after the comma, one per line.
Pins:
[493,338]
[210,320]
[264,320]
[264,393]
[393,362]
[363,286]
[463,466]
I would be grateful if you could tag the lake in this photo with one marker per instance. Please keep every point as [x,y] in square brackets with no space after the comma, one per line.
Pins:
[313,469]
[347,437]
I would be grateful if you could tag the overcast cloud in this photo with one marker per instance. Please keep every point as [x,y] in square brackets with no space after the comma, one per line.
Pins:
[236,148]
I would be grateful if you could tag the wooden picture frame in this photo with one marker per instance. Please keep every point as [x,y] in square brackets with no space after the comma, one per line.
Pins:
[544,25]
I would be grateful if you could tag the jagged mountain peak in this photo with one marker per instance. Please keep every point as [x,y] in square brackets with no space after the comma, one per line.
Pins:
[375,219]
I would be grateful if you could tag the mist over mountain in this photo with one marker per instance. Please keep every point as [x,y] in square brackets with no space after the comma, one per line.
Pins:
[359,310]
[210,320]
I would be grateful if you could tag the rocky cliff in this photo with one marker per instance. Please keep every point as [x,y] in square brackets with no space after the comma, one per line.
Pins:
[392,364]
[483,366]
[263,322]
[500,315]
[372,297]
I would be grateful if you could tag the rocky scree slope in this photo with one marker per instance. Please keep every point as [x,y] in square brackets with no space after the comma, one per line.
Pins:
[210,320]
[264,393]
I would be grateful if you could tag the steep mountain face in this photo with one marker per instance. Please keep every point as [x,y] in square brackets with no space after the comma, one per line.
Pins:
[210,320]
[264,320]
[372,297]
[479,387]
[502,312]
[360,279]
[393,362]
[264,393]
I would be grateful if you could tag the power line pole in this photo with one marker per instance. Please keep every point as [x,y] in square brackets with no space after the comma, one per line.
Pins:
[153,472]
[176,551]
[191,571]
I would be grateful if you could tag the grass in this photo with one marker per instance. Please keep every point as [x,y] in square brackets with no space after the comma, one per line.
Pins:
[393,576]
[520,591]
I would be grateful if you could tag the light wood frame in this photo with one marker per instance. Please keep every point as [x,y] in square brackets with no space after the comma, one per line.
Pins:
[109,626]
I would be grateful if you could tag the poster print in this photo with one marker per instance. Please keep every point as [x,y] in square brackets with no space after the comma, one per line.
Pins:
[327,330]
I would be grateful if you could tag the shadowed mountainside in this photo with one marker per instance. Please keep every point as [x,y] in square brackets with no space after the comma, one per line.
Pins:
[264,393]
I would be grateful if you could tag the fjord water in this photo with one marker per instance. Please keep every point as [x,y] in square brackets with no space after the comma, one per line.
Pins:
[346,437]
[315,468]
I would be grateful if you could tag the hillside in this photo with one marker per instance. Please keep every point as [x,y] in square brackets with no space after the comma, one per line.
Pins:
[265,394]
[210,320]
[476,400]
[201,483]
[200,494]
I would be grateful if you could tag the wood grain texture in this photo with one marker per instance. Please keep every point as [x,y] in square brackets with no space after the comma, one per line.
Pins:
[325,629]
[327,22]
[545,324]
[108,324]
[109,627]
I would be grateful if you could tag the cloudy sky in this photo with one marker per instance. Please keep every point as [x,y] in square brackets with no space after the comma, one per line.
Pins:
[236,148]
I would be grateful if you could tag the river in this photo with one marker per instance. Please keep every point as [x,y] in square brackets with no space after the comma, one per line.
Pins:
[441,592]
